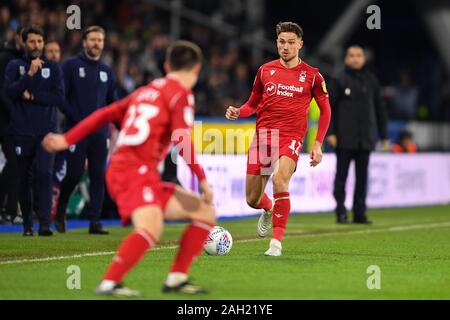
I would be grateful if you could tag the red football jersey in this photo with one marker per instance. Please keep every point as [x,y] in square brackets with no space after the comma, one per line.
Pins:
[149,119]
[154,113]
[281,97]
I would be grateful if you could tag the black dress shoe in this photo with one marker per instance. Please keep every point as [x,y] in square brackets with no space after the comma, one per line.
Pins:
[96,228]
[60,225]
[362,220]
[45,231]
[28,232]
[342,219]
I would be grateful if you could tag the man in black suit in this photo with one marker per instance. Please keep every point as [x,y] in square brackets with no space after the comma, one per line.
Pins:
[358,115]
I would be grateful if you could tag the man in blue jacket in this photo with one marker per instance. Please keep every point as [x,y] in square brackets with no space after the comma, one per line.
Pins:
[35,87]
[9,177]
[90,85]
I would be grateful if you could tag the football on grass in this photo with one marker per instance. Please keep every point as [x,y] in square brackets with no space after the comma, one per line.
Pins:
[218,242]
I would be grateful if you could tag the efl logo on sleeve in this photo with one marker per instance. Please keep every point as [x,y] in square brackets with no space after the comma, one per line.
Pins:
[191,100]
[324,87]
[188,114]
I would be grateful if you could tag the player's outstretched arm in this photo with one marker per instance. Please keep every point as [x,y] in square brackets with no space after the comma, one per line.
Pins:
[54,142]
[206,191]
[111,113]
[249,108]
[316,154]
[182,121]
[320,94]
[185,148]
[245,111]
[232,113]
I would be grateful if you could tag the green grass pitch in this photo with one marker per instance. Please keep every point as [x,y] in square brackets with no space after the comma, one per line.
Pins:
[321,260]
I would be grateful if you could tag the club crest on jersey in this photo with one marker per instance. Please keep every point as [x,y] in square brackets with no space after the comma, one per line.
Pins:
[302,77]
[103,76]
[324,87]
[45,73]
[22,70]
[272,72]
[82,72]
[270,88]
[147,194]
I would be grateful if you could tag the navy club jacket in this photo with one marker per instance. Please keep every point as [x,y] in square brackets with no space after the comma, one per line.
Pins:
[90,85]
[39,116]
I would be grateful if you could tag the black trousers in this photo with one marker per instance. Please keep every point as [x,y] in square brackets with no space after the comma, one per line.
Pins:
[9,178]
[344,157]
[95,149]
[170,168]
[34,163]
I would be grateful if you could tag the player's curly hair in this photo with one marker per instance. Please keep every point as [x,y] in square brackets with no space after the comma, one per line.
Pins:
[183,55]
[288,26]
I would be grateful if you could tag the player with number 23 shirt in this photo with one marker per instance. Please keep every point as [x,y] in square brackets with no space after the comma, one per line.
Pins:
[151,118]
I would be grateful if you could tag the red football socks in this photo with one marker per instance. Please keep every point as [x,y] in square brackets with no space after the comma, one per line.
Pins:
[280,214]
[131,250]
[265,203]
[191,245]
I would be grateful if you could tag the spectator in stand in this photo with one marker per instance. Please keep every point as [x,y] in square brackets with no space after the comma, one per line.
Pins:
[405,143]
[12,49]
[405,99]
[52,51]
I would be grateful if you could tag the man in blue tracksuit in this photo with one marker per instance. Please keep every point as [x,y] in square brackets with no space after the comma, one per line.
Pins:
[9,177]
[35,87]
[90,85]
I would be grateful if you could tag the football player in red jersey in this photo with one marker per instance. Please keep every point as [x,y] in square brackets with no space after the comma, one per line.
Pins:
[151,118]
[281,96]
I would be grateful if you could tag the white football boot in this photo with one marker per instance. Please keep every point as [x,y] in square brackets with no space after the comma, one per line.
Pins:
[265,222]
[108,288]
[274,248]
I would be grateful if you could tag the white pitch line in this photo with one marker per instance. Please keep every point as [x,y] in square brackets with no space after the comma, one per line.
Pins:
[75,256]
[367,231]
[81,255]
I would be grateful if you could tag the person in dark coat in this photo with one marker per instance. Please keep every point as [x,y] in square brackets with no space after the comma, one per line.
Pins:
[9,177]
[90,85]
[358,115]
[36,87]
